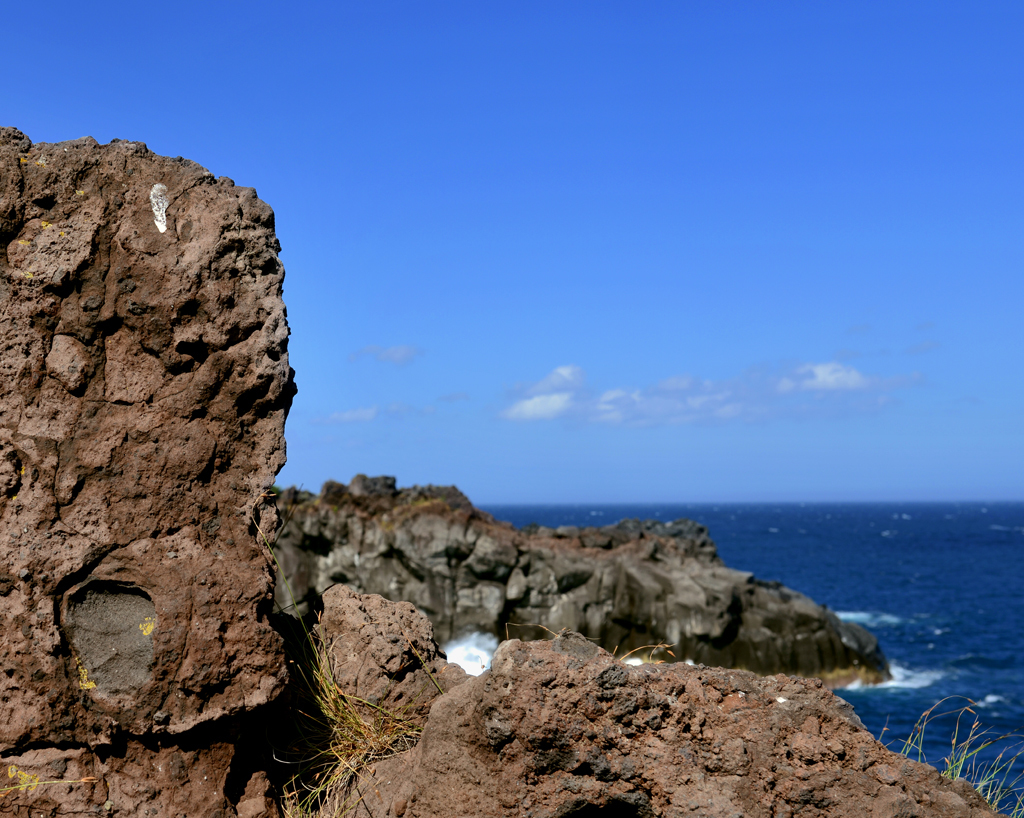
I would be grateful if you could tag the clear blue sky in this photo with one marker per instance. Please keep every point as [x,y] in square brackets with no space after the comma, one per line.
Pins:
[588,251]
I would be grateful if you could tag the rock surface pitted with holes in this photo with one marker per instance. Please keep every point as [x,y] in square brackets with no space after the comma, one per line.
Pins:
[144,384]
[562,729]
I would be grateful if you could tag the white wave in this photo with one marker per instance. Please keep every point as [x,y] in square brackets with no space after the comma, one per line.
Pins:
[999,528]
[990,700]
[473,652]
[902,678]
[869,619]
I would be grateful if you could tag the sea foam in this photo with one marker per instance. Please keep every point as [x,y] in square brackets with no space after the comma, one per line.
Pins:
[472,652]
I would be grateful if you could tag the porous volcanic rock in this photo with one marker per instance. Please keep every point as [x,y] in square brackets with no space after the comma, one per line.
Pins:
[384,652]
[561,728]
[144,384]
[625,586]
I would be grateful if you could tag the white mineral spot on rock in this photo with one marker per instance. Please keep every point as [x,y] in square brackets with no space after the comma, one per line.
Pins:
[158,199]
[779,699]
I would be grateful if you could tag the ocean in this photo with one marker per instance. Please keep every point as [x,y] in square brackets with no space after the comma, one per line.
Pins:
[940,584]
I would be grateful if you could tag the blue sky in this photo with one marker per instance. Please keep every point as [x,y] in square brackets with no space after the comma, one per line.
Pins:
[605,252]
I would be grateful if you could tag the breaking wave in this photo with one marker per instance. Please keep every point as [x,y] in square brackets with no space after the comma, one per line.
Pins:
[870,619]
[473,652]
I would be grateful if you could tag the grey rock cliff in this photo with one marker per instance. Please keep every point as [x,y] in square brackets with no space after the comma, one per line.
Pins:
[626,586]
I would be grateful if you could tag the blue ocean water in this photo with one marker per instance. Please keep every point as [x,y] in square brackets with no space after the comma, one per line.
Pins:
[940,584]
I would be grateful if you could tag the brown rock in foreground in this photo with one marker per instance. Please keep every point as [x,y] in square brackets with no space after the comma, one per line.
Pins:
[625,586]
[562,728]
[144,383]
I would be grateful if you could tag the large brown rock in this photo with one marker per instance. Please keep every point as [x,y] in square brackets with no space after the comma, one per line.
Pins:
[144,383]
[562,728]
[627,585]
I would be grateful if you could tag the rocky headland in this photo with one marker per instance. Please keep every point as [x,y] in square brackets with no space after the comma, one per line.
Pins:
[144,384]
[625,586]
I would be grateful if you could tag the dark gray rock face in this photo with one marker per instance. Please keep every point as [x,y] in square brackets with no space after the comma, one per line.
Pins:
[626,586]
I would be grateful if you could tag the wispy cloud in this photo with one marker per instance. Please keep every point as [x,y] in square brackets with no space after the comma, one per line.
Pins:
[563,378]
[361,415]
[454,397]
[550,397]
[757,394]
[827,377]
[540,407]
[400,355]
[365,414]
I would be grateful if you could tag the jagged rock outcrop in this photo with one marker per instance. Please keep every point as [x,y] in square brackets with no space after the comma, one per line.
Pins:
[562,728]
[625,586]
[144,383]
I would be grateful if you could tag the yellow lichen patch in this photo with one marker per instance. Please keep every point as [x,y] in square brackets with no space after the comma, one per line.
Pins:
[83,677]
[62,234]
[22,241]
[46,224]
[24,161]
[147,626]
[41,163]
[79,192]
[26,781]
[28,275]
[22,472]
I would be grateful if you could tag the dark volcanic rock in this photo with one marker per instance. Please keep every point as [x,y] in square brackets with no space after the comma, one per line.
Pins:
[562,728]
[144,383]
[625,586]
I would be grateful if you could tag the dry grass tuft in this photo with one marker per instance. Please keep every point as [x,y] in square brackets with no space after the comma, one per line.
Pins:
[340,736]
[999,781]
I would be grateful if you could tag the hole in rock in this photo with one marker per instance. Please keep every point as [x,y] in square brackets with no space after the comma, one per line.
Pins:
[196,350]
[110,628]
[631,805]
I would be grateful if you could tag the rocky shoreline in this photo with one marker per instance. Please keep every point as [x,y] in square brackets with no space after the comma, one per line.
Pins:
[625,586]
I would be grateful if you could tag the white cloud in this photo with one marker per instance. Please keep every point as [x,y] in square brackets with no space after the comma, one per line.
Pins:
[756,394]
[539,407]
[826,377]
[561,379]
[400,355]
[550,397]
